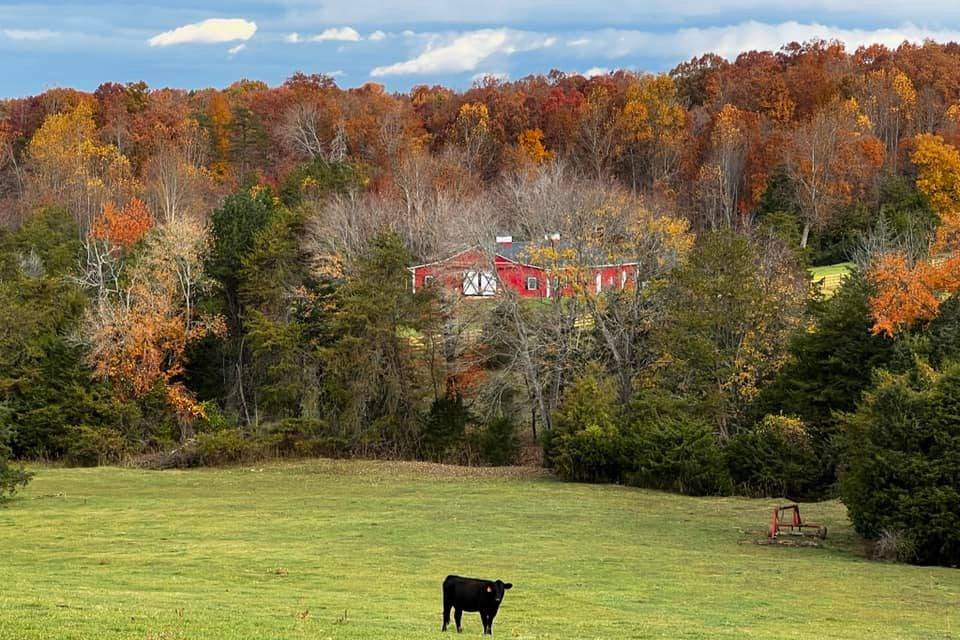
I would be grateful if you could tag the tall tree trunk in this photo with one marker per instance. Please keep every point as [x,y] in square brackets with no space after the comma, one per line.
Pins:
[805,236]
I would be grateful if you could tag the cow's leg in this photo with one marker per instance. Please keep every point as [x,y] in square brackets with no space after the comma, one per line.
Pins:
[485,619]
[446,614]
[457,614]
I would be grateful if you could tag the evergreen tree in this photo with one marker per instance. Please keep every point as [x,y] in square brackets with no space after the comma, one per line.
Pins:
[829,368]
[372,366]
[726,322]
[902,459]
[46,390]
[286,319]
[235,226]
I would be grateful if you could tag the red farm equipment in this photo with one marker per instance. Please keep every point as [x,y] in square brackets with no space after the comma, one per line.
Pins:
[786,520]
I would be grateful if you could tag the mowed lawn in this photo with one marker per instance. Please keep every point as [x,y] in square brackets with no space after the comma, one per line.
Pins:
[831,276]
[323,549]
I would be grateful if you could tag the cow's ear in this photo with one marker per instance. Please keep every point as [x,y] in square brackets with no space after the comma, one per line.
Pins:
[508,585]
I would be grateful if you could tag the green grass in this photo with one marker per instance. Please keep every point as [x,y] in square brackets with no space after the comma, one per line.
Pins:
[326,549]
[831,275]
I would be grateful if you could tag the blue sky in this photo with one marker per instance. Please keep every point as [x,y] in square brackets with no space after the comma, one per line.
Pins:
[402,43]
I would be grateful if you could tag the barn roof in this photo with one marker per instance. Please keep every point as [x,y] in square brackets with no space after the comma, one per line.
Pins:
[513,251]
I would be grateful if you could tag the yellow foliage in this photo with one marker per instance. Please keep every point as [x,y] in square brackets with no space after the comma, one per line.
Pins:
[72,168]
[473,119]
[530,144]
[904,89]
[938,176]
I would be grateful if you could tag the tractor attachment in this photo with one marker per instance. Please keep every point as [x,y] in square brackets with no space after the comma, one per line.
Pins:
[786,519]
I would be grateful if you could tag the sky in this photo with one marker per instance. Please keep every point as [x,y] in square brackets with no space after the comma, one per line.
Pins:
[403,43]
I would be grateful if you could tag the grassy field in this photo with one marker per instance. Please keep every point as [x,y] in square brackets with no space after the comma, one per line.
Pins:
[325,549]
[831,275]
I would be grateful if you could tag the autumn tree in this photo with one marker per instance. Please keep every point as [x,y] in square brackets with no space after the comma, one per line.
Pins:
[597,139]
[531,148]
[830,159]
[138,338]
[219,115]
[889,101]
[729,313]
[10,160]
[626,317]
[910,290]
[70,167]
[124,227]
[721,182]
[472,132]
[176,181]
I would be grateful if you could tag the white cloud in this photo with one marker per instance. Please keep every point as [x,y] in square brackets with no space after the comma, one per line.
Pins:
[596,13]
[334,34]
[465,51]
[237,49]
[579,42]
[343,34]
[336,74]
[29,34]
[377,35]
[208,31]
[596,71]
[502,76]
[730,41]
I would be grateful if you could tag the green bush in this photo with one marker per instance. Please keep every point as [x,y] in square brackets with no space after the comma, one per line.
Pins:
[305,437]
[94,446]
[902,458]
[498,443]
[593,454]
[585,443]
[11,478]
[654,443]
[224,447]
[775,458]
[678,453]
[443,427]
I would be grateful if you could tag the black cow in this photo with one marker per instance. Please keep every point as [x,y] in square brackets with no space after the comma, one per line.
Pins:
[472,594]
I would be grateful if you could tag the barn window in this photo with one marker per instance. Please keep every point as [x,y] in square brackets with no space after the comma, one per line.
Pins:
[531,283]
[427,281]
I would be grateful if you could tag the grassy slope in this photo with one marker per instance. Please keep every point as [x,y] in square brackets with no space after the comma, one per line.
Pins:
[831,275]
[357,550]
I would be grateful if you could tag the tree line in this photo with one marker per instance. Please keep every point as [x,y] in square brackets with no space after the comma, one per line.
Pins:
[196,277]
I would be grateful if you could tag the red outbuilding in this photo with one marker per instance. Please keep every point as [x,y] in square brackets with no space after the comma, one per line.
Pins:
[472,273]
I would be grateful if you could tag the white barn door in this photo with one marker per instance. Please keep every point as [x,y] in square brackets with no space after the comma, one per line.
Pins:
[479,283]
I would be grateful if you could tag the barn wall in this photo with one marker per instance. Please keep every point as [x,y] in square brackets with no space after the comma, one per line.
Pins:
[449,273]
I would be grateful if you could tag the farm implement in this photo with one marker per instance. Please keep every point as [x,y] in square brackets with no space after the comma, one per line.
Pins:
[786,520]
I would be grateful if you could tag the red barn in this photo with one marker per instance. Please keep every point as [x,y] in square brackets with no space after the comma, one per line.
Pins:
[473,274]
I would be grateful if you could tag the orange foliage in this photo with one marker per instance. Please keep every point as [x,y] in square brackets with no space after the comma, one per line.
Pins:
[122,227]
[909,294]
[905,293]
